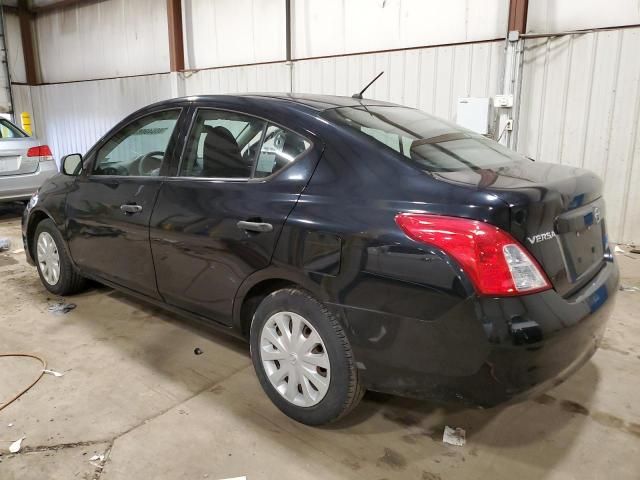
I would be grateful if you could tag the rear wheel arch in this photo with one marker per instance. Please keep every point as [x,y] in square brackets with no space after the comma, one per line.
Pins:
[252,298]
[262,283]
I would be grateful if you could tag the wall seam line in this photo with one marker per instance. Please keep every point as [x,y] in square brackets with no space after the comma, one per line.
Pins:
[563,114]
[588,98]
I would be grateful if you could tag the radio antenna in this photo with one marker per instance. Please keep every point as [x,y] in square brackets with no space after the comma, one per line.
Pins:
[359,95]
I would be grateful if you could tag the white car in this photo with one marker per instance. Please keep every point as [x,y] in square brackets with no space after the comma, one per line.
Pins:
[25,163]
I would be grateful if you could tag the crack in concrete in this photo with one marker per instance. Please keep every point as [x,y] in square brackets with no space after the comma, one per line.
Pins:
[99,468]
[162,412]
[60,446]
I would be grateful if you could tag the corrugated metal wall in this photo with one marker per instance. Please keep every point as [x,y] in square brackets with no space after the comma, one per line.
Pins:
[5,79]
[581,107]
[102,40]
[216,34]
[254,78]
[550,16]
[14,48]
[70,117]
[123,37]
[431,79]
[338,27]
[580,93]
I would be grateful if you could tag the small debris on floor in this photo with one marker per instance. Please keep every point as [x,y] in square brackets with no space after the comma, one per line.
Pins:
[454,436]
[624,288]
[198,351]
[5,244]
[620,251]
[16,252]
[97,461]
[16,446]
[53,372]
[61,307]
[10,425]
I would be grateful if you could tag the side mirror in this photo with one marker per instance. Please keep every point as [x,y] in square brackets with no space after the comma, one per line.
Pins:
[71,164]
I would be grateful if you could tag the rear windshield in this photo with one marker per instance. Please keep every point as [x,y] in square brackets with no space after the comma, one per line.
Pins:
[433,144]
[9,130]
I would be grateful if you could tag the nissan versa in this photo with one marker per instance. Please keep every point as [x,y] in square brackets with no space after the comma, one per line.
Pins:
[355,244]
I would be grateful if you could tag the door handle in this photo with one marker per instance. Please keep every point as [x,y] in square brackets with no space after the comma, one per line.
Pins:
[128,208]
[254,226]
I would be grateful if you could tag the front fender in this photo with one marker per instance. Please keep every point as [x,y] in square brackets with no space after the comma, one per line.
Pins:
[48,202]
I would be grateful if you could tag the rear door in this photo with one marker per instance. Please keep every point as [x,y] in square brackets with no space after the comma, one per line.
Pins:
[109,210]
[218,220]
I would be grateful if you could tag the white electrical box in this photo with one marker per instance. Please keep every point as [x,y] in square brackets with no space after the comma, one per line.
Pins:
[503,101]
[473,113]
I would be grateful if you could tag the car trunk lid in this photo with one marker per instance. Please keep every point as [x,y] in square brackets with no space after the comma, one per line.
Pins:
[13,156]
[557,213]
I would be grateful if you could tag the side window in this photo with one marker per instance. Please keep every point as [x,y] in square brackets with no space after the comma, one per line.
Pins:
[280,147]
[139,148]
[222,145]
[9,130]
[390,139]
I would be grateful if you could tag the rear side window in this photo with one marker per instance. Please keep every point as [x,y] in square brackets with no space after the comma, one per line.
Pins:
[222,145]
[279,148]
[225,144]
[9,130]
[433,144]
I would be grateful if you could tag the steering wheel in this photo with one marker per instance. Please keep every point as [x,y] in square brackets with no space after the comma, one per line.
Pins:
[149,162]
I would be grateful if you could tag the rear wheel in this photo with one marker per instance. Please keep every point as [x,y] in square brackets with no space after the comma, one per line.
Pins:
[303,359]
[56,271]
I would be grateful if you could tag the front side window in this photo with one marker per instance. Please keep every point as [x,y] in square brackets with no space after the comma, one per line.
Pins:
[139,148]
[433,144]
[226,144]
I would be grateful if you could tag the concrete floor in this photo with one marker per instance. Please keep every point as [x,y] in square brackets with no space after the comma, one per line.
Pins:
[134,391]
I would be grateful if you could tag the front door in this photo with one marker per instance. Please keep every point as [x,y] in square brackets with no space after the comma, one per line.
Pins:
[219,219]
[110,208]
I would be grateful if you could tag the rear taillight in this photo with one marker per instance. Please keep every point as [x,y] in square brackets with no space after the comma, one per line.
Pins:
[42,151]
[494,261]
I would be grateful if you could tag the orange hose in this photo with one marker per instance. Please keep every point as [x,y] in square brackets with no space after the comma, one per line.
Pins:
[28,355]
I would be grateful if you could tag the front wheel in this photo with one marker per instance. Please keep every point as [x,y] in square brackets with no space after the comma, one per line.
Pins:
[56,271]
[303,359]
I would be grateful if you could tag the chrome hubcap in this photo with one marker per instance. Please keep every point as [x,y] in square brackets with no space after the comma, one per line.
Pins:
[295,359]
[48,258]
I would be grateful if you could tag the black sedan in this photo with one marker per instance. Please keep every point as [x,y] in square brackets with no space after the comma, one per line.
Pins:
[355,244]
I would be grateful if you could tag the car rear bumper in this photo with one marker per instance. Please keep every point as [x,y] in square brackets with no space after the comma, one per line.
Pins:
[21,187]
[485,351]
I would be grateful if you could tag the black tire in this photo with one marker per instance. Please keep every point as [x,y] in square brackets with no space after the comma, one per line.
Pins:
[69,281]
[345,389]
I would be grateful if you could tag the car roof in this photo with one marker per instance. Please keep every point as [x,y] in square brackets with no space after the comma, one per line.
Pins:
[314,102]
[319,102]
